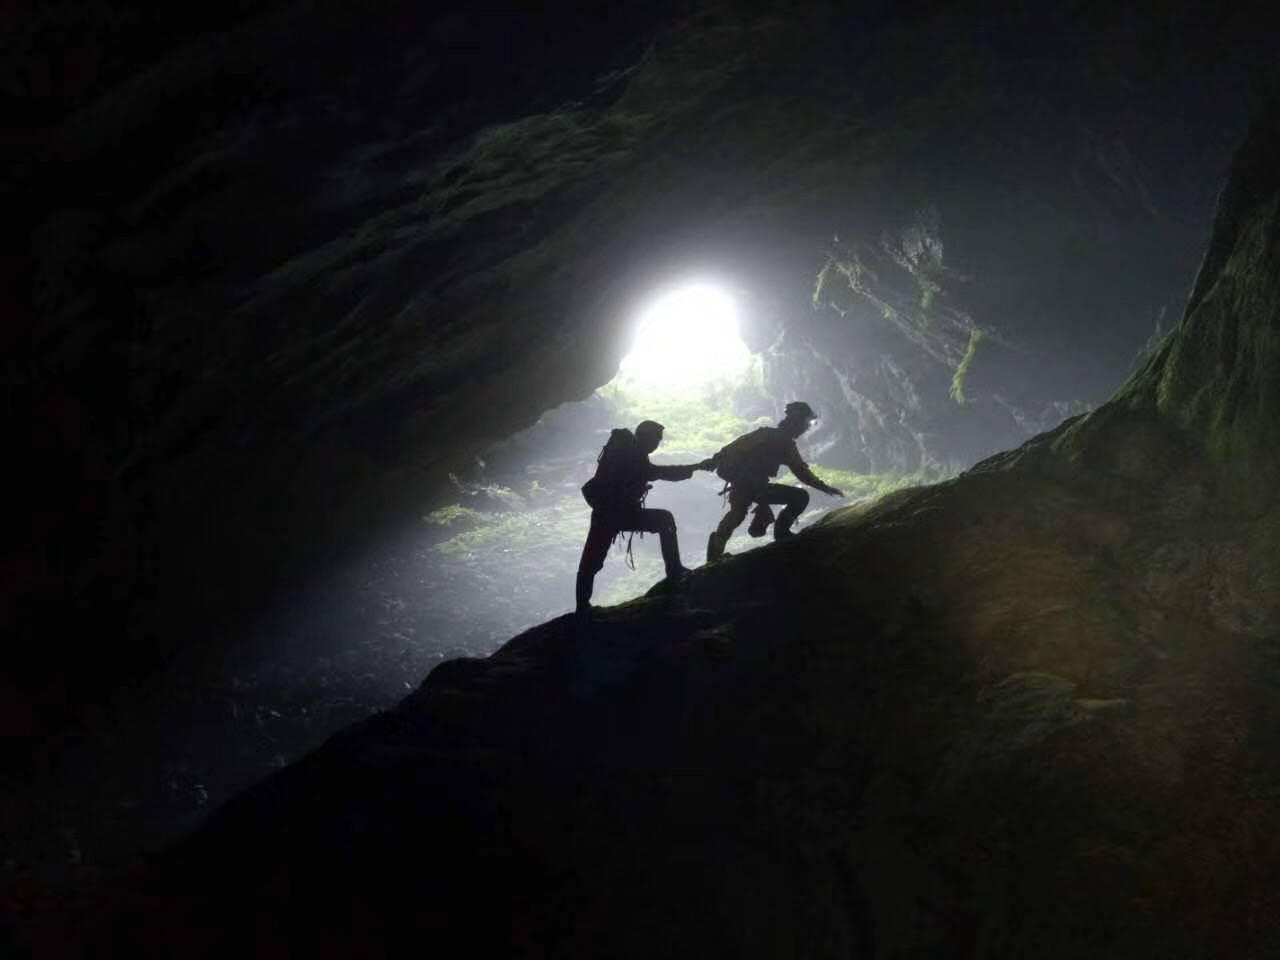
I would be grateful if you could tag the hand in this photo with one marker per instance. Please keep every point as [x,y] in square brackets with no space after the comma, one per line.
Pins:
[834,492]
[707,464]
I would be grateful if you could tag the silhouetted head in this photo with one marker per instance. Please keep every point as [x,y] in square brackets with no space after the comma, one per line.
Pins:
[799,418]
[649,435]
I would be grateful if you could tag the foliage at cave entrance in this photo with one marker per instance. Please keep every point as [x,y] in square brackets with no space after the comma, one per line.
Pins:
[506,549]
[699,420]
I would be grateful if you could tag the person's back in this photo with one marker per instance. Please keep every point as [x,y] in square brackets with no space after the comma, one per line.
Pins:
[755,456]
[622,474]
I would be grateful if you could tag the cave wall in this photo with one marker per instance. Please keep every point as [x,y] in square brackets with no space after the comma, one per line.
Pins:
[1220,377]
[277,284]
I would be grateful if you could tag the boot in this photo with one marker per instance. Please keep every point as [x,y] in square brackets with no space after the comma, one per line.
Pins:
[671,555]
[715,545]
[782,529]
[760,520]
[675,582]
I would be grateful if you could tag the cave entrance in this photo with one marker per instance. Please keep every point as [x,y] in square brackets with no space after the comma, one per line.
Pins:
[507,544]
[685,340]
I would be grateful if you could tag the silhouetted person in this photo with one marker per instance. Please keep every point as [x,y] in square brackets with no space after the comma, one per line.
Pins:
[749,463]
[616,495]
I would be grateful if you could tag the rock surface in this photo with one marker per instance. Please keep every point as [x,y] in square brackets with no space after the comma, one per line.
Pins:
[1029,712]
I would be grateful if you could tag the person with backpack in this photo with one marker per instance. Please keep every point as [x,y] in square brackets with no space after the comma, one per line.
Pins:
[747,465]
[616,496]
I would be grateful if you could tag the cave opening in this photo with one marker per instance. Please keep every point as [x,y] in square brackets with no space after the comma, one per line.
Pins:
[686,338]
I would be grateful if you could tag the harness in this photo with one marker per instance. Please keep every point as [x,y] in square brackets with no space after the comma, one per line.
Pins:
[629,557]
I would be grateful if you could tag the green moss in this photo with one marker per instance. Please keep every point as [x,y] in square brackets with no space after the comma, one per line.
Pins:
[556,528]
[698,421]
[820,291]
[534,549]
[453,513]
[872,486]
[957,382]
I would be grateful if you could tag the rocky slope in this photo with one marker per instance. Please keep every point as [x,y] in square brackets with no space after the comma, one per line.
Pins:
[1029,712]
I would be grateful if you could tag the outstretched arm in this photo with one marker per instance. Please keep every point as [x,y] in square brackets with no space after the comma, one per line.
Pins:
[807,476]
[670,473]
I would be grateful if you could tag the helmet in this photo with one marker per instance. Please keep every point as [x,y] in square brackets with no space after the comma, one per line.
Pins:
[799,410]
[649,429]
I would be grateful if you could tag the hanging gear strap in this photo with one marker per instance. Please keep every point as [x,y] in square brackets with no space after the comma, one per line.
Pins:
[629,556]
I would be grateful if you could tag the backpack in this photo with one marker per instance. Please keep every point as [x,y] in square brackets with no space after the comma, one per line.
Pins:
[747,457]
[611,487]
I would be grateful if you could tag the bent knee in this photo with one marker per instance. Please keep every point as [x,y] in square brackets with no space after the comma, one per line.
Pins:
[800,500]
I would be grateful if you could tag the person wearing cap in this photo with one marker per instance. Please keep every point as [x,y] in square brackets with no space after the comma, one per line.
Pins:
[749,463]
[616,495]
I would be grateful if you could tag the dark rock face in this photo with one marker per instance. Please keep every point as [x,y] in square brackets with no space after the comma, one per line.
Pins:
[1029,712]
[1221,377]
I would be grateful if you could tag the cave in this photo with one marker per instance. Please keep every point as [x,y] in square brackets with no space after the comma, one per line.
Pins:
[320,318]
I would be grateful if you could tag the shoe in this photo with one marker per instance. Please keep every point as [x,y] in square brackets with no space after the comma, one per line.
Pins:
[782,529]
[676,581]
[760,521]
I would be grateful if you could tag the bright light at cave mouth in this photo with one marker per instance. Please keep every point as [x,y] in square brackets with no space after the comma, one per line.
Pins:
[685,339]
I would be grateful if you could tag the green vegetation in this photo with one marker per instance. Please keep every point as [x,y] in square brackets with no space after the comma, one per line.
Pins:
[448,516]
[872,486]
[698,421]
[525,559]
[957,382]
[546,532]
[821,296]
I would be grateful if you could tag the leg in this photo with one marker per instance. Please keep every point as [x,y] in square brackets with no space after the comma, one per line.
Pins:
[594,551]
[795,499]
[740,499]
[663,524]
